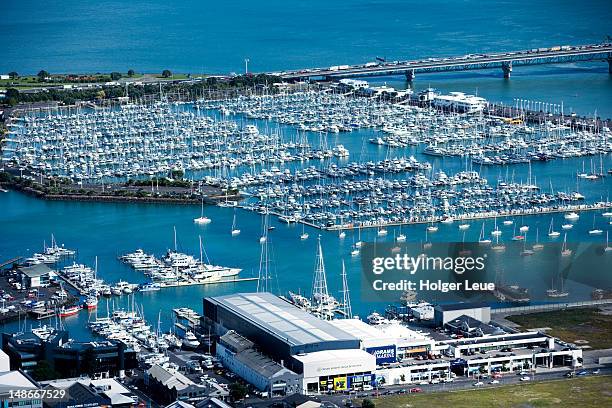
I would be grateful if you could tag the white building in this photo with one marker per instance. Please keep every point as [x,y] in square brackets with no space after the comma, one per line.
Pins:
[460,102]
[337,370]
[5,362]
[13,381]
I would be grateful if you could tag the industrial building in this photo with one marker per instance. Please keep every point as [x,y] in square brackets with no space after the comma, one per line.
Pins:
[239,355]
[316,350]
[273,344]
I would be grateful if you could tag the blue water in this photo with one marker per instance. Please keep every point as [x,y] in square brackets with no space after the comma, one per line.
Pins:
[216,36]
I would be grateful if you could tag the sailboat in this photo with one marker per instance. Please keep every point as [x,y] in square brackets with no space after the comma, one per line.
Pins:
[608,248]
[202,219]
[554,293]
[508,222]
[526,252]
[496,231]
[382,232]
[235,231]
[304,235]
[537,246]
[551,231]
[482,239]
[342,234]
[565,251]
[464,226]
[432,227]
[401,237]
[595,231]
[358,244]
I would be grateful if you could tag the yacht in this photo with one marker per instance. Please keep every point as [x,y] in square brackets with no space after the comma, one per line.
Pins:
[68,311]
[190,340]
[376,319]
[401,238]
[571,216]
[464,226]
[90,303]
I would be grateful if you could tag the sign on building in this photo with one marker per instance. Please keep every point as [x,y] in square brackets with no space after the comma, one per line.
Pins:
[383,354]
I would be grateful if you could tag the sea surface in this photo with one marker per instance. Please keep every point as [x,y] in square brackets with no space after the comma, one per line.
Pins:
[215,37]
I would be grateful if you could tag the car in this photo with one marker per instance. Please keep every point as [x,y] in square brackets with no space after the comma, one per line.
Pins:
[494,382]
[423,383]
[596,371]
[497,375]
[415,389]
[525,378]
[524,373]
[569,374]
[478,384]
[582,372]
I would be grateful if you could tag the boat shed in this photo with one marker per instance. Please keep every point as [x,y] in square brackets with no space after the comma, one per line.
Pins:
[34,276]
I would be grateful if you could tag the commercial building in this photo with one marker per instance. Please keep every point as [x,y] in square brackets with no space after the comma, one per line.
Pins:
[166,385]
[69,358]
[239,355]
[460,102]
[87,392]
[270,342]
[35,276]
[17,380]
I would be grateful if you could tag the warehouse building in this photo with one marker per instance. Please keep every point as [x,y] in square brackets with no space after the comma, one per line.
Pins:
[317,351]
[238,354]
[279,329]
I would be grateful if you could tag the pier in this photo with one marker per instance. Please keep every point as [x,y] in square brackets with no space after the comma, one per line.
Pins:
[503,60]
[470,217]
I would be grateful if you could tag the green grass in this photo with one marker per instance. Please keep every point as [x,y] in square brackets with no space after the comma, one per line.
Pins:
[588,392]
[571,325]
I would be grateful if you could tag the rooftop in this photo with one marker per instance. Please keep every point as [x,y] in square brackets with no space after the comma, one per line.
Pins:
[282,319]
[35,271]
[461,306]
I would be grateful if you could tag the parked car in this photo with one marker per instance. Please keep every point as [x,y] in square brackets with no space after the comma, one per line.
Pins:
[525,378]
[582,372]
[415,389]
[478,384]
[494,382]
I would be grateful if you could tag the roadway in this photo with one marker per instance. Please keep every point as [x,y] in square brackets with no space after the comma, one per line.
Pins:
[526,57]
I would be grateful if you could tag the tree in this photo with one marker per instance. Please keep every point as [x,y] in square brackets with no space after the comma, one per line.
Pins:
[13,75]
[237,391]
[42,74]
[115,76]
[131,72]
[367,403]
[100,94]
[166,73]
[44,372]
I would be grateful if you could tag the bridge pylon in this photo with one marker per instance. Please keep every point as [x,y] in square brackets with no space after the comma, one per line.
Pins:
[507,68]
[410,75]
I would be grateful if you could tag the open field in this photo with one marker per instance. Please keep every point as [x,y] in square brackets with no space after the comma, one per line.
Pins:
[571,325]
[585,392]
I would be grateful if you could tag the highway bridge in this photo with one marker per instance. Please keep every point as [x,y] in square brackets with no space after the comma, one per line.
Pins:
[504,60]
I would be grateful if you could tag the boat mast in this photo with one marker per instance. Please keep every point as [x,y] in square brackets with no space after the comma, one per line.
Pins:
[319,286]
[346,299]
